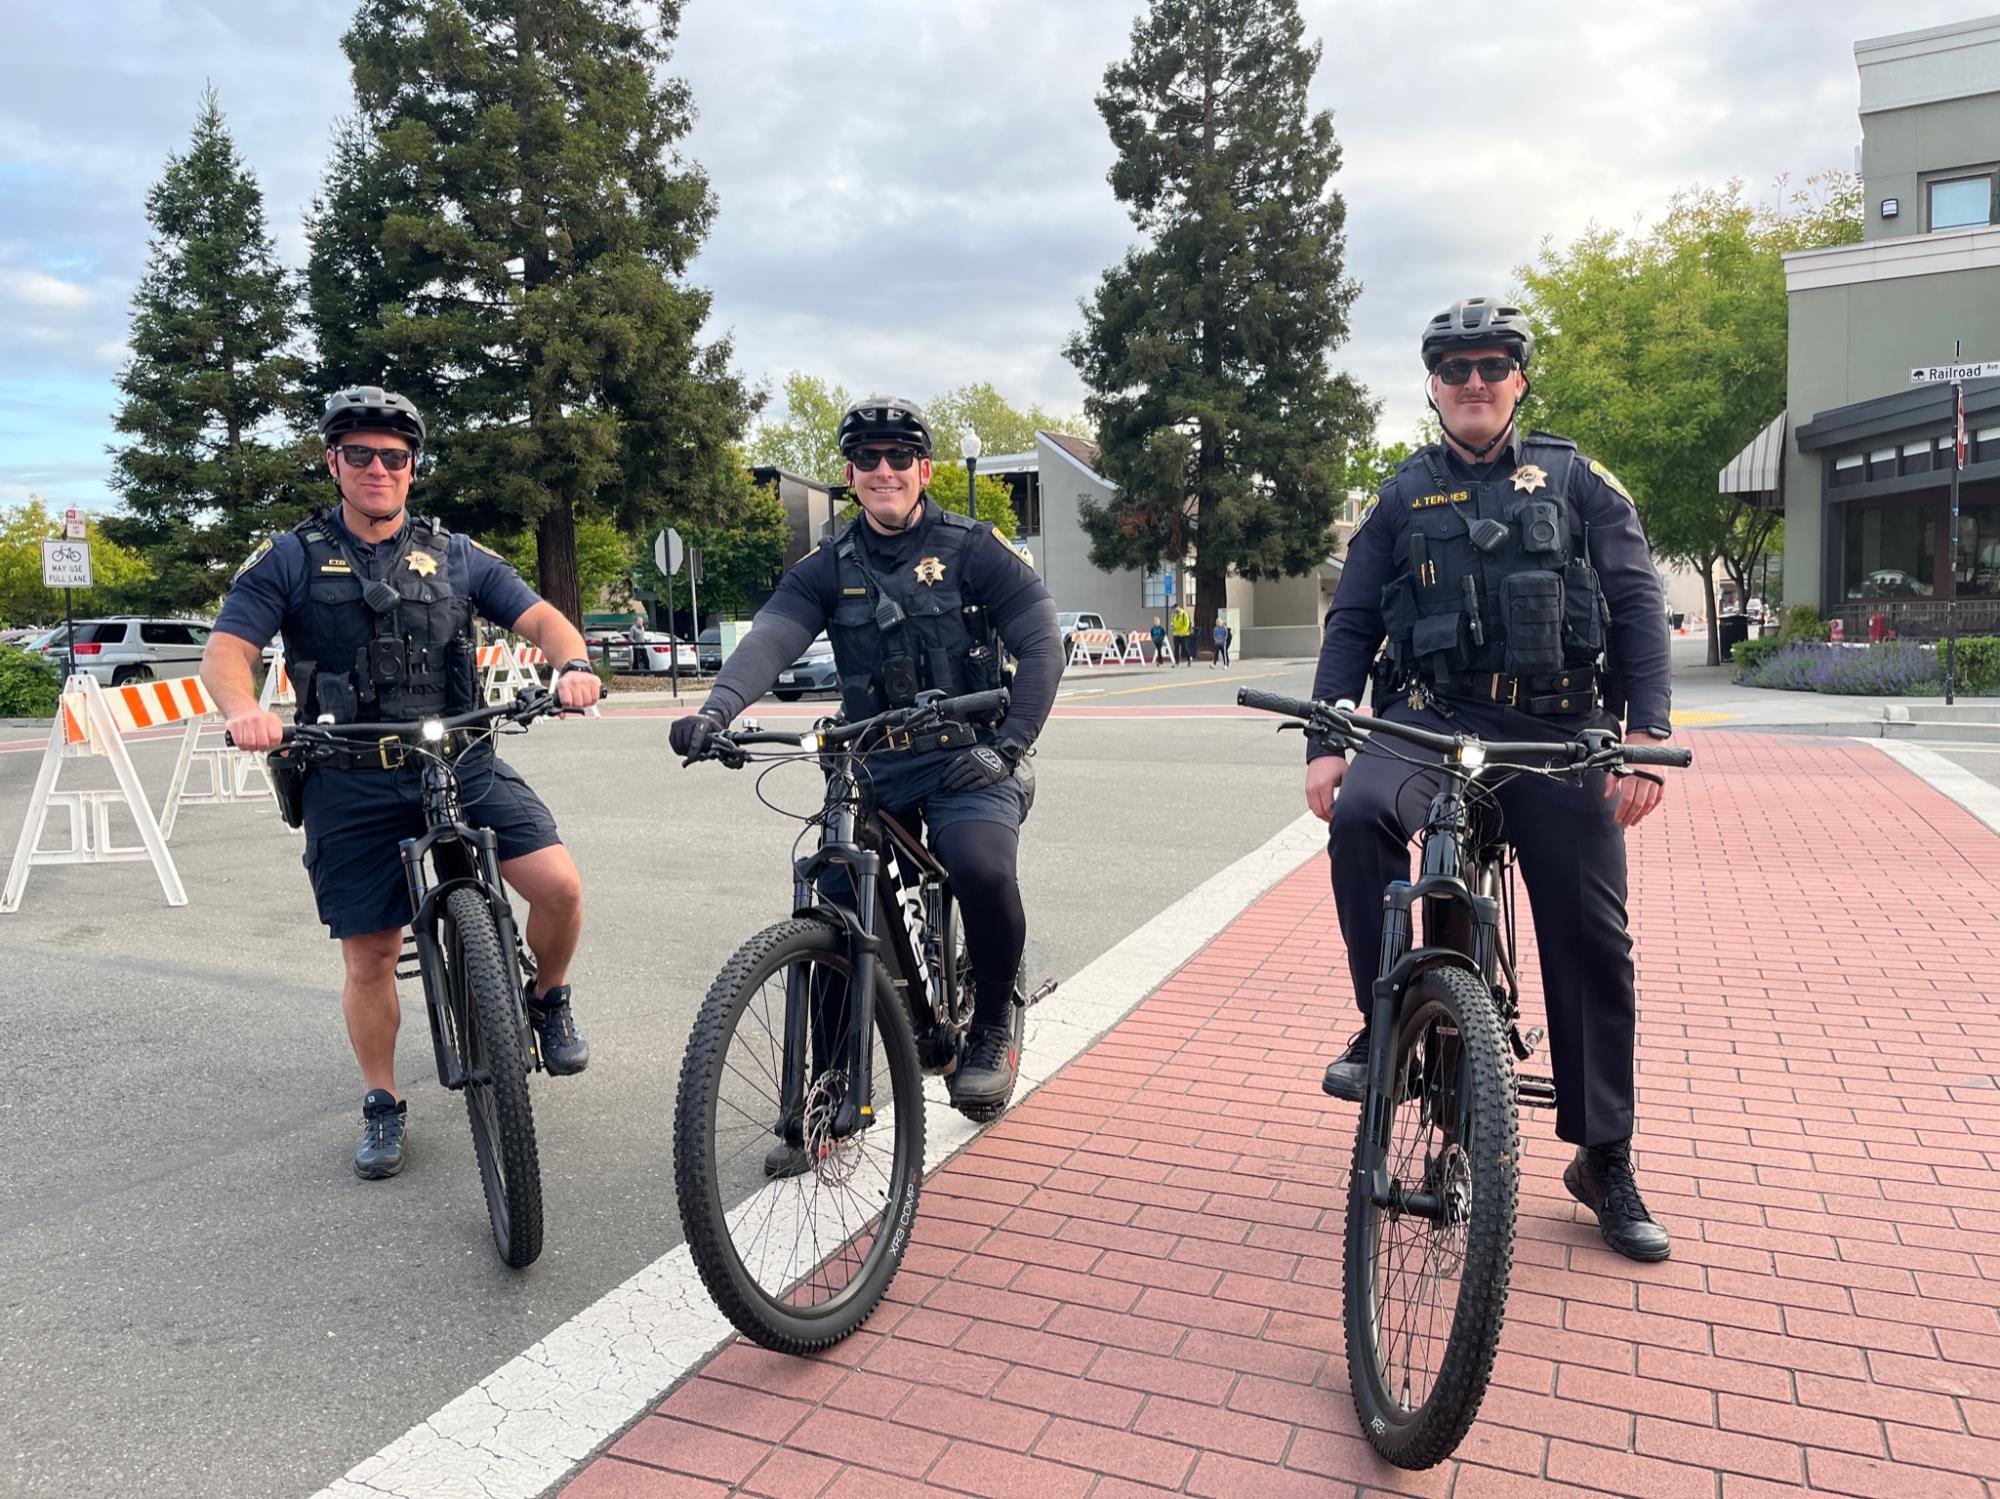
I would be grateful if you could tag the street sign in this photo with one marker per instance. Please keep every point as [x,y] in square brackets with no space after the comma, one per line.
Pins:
[1934,374]
[65,564]
[667,551]
[73,524]
[1167,583]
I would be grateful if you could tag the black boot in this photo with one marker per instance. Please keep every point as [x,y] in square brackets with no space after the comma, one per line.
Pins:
[1600,1177]
[984,1078]
[563,1048]
[1347,1074]
[381,1150]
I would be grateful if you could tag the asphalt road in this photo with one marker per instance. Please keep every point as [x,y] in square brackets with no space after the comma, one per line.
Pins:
[197,1295]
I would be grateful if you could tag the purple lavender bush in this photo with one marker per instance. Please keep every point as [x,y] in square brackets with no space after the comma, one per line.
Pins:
[1889,668]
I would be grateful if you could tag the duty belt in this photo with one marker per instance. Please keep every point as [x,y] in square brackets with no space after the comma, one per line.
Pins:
[392,752]
[1559,692]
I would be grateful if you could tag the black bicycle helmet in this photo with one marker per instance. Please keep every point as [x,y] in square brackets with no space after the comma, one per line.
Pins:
[370,408]
[884,419]
[1478,323]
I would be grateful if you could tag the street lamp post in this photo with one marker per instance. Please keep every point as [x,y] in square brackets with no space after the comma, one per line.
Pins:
[969,445]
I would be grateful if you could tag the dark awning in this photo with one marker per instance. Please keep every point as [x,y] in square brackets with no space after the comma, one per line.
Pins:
[1921,410]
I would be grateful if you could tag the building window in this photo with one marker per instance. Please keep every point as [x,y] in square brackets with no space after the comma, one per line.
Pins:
[1962,202]
[1977,571]
[1153,591]
[1891,551]
[1882,464]
[1917,457]
[1852,469]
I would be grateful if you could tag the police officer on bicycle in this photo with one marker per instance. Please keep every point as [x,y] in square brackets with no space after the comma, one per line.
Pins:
[1502,572]
[917,598]
[376,607]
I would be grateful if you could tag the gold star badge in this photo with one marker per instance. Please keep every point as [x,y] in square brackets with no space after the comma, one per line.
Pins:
[1529,478]
[423,564]
[930,572]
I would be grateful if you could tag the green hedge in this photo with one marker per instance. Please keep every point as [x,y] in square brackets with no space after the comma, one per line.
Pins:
[28,688]
[1978,663]
[1750,655]
[1802,622]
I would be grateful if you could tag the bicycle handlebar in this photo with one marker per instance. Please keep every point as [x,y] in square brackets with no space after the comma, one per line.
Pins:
[1329,721]
[536,702]
[973,707]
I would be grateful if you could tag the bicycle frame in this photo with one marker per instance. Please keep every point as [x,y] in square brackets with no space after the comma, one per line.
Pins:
[461,855]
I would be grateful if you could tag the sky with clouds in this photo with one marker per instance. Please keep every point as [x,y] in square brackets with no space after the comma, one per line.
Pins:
[913,197]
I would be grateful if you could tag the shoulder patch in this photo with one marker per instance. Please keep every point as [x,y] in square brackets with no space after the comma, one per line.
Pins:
[257,554]
[1612,479]
[482,546]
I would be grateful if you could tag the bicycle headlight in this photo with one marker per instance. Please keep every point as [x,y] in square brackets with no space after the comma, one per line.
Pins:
[433,730]
[1472,756]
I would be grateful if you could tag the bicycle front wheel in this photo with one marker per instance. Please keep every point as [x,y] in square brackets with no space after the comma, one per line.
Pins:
[483,1015]
[1426,1275]
[796,1224]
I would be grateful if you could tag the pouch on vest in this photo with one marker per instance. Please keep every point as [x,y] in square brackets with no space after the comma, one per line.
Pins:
[1583,612]
[1435,643]
[335,697]
[1532,605]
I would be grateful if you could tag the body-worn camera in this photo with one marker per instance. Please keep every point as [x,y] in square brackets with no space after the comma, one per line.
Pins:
[388,661]
[1541,528]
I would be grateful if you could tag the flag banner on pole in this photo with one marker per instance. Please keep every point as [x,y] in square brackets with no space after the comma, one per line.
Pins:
[1959,440]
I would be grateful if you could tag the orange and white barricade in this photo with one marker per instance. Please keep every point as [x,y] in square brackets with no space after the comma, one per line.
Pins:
[1135,648]
[91,721]
[1101,645]
[278,692]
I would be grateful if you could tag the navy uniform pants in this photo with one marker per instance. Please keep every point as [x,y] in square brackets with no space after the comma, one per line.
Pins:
[1572,861]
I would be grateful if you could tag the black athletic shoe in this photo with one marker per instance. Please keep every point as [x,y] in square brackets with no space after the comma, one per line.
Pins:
[381,1152]
[563,1048]
[1600,1177]
[782,1161]
[1347,1074]
[985,1075]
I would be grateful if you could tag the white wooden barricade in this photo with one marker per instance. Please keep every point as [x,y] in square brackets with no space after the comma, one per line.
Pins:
[91,721]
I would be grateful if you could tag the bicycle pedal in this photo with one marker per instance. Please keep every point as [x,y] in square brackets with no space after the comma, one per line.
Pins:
[1042,993]
[1534,1091]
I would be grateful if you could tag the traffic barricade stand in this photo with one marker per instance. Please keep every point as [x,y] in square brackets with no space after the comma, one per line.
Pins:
[234,775]
[90,721]
[1135,649]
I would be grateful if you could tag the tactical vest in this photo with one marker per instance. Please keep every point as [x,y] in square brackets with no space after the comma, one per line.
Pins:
[1529,606]
[413,660]
[910,630]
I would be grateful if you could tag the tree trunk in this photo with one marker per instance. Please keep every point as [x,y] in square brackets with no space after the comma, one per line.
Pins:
[1714,624]
[1211,593]
[555,560]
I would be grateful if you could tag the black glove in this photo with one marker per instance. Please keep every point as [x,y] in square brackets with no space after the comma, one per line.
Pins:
[689,736]
[982,765]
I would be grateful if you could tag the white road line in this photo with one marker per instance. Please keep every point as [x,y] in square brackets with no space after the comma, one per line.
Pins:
[525,1425]
[1955,781]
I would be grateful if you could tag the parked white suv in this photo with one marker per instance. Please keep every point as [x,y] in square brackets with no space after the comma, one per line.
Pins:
[126,648]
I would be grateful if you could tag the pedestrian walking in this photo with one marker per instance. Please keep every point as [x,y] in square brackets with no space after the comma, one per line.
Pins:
[1160,657]
[1183,637]
[1221,646]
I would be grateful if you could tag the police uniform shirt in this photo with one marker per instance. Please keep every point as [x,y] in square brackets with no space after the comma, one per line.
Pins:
[1638,640]
[272,585]
[996,578]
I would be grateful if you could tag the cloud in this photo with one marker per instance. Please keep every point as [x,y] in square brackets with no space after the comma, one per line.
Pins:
[915,196]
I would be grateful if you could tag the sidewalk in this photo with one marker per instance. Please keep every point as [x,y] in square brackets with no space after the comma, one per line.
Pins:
[1130,1285]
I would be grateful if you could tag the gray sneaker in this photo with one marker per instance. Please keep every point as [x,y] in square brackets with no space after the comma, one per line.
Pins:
[382,1150]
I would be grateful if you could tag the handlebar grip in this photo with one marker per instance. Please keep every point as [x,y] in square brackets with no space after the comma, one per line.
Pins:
[975,706]
[1272,702]
[1651,754]
[766,736]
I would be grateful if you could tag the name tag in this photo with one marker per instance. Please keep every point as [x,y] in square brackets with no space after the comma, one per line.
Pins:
[1456,497]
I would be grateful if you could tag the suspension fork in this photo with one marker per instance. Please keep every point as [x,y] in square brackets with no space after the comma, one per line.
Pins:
[1387,1008]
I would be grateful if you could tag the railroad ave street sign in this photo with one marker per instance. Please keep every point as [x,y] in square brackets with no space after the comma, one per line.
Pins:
[1931,374]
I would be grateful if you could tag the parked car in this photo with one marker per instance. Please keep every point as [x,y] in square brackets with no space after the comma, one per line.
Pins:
[658,652]
[1069,621]
[127,648]
[606,643]
[812,672]
[708,649]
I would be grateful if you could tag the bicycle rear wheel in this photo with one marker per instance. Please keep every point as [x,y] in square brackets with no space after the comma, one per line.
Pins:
[799,1262]
[1426,1278]
[482,1014]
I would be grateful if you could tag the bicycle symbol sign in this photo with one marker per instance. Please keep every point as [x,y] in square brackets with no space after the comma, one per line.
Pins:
[66,564]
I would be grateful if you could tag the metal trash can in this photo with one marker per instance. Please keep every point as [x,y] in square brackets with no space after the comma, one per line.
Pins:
[1732,628]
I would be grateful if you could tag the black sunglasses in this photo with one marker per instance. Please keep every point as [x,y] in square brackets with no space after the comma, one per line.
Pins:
[1492,369]
[867,460]
[358,454]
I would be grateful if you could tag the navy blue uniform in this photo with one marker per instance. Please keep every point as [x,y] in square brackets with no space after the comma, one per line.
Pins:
[1572,852]
[355,818]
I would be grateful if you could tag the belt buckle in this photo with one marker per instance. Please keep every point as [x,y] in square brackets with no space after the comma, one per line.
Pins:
[889,740]
[382,751]
[1513,697]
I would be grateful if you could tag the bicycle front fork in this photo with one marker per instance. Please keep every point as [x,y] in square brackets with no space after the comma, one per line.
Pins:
[852,1055]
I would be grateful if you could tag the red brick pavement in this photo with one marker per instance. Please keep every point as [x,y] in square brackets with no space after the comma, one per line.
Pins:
[1130,1285]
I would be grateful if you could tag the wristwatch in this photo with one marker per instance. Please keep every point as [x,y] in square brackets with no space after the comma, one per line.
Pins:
[575,663]
[1658,731]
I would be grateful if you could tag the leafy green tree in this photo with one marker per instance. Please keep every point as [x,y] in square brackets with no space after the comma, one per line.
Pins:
[603,558]
[740,560]
[207,467]
[1662,352]
[122,578]
[1001,427]
[504,235]
[1207,350]
[996,501]
[806,439]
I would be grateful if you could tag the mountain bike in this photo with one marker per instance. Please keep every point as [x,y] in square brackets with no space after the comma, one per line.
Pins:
[798,1175]
[1431,1198]
[463,944]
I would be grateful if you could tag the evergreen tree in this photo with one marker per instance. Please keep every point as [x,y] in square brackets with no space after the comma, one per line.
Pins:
[210,381]
[1206,351]
[503,237]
